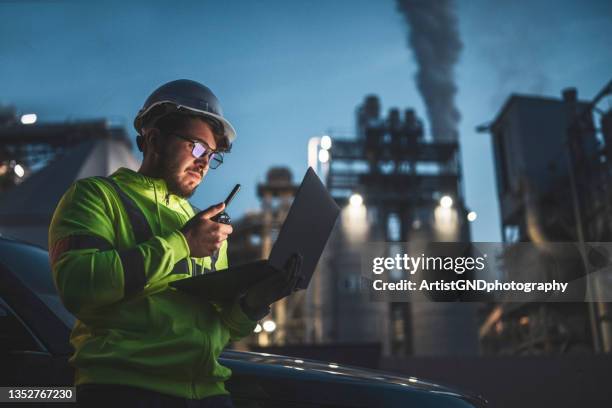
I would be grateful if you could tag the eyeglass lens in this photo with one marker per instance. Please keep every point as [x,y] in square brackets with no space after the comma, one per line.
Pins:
[215,159]
[198,150]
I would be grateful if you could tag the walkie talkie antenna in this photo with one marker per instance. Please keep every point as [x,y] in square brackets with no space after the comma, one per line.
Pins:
[231,195]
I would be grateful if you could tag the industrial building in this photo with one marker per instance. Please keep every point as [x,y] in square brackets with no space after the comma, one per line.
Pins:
[552,162]
[396,186]
[39,161]
[389,181]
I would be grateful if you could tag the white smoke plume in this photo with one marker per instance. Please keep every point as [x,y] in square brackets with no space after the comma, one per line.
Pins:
[435,41]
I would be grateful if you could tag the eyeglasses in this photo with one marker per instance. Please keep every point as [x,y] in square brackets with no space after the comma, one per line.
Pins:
[215,158]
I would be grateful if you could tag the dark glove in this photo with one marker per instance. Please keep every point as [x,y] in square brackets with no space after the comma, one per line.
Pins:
[256,302]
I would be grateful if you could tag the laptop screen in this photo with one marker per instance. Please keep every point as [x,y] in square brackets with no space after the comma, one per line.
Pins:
[306,229]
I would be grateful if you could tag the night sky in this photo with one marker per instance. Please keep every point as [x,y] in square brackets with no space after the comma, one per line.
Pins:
[286,71]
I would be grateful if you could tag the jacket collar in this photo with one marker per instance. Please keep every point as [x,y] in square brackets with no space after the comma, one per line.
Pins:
[136,179]
[154,188]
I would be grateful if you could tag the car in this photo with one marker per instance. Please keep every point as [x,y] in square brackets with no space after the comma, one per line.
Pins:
[34,350]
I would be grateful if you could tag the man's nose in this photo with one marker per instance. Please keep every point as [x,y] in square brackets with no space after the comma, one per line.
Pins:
[203,161]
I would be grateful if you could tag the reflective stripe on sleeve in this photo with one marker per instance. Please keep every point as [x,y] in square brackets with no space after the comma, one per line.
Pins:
[181,267]
[74,242]
[133,271]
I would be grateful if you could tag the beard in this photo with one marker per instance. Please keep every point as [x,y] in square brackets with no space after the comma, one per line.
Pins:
[170,171]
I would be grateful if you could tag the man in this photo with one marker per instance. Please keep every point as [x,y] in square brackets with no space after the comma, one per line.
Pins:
[115,244]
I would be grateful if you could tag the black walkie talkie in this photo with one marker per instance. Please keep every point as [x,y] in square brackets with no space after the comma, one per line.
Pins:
[224,217]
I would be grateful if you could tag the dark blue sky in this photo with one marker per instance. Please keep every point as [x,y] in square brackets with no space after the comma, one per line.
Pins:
[286,71]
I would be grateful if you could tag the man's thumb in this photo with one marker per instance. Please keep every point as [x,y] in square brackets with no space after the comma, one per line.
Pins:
[212,211]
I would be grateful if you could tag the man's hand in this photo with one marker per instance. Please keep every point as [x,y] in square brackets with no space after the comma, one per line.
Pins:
[203,235]
[281,283]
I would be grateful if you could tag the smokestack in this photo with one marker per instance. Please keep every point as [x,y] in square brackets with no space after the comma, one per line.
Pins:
[434,39]
[394,118]
[368,114]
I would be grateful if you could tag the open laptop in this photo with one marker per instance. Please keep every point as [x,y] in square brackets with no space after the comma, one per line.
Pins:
[306,230]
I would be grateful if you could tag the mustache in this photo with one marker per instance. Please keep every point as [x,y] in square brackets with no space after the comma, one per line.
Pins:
[199,170]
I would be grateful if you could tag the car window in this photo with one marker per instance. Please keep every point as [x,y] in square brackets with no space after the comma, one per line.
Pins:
[14,336]
[30,265]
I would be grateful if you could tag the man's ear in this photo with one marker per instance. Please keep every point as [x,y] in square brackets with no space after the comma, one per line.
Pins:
[152,140]
[140,143]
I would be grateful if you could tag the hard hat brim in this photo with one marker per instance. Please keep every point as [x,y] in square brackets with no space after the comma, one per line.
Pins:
[228,130]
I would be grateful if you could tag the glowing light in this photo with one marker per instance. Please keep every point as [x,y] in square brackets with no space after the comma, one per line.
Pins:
[299,361]
[355,219]
[326,142]
[446,202]
[323,156]
[472,216]
[313,144]
[19,171]
[446,223]
[331,365]
[269,326]
[356,200]
[258,328]
[29,118]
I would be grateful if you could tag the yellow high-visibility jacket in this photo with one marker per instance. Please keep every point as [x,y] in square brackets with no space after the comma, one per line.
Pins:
[132,328]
